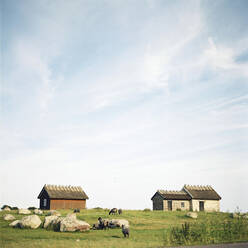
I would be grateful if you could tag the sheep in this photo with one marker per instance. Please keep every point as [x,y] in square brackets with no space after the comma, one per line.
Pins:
[77,210]
[103,224]
[113,211]
[125,231]
[120,211]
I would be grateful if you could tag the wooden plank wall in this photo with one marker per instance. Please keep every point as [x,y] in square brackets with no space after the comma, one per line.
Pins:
[67,204]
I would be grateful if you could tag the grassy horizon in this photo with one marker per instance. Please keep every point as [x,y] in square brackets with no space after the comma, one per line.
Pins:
[147,229]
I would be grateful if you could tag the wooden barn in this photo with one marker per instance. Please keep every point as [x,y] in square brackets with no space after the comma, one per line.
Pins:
[194,198]
[62,197]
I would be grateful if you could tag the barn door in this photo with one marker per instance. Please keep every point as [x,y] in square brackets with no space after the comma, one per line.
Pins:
[201,205]
[170,205]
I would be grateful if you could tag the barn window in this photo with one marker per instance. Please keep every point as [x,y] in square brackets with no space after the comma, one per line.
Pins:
[44,202]
[182,204]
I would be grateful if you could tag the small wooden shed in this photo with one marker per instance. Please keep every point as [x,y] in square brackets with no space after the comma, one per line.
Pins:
[62,197]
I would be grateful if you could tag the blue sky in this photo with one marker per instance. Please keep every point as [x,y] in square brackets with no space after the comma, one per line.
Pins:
[124,98]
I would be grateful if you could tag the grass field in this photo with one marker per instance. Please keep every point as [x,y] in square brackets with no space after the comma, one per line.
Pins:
[147,229]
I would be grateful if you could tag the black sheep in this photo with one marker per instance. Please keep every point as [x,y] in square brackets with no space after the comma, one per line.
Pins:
[125,231]
[113,211]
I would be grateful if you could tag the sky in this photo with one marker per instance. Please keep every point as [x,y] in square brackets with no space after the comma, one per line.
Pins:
[123,98]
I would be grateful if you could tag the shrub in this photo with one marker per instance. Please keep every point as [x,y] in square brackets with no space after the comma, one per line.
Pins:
[31,208]
[147,210]
[6,206]
[15,208]
[208,232]
[97,208]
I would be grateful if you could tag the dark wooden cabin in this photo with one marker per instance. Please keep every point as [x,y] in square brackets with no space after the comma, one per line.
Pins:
[62,197]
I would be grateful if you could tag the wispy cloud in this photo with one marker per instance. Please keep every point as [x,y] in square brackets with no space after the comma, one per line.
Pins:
[123,88]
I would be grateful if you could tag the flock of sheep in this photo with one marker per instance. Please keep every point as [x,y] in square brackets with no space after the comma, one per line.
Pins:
[105,223]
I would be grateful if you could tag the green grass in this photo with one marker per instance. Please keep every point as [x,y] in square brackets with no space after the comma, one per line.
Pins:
[147,229]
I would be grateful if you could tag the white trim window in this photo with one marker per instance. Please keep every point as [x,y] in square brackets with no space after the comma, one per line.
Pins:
[45,202]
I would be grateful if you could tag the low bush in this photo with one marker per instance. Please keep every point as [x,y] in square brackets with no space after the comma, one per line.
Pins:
[147,210]
[31,208]
[6,206]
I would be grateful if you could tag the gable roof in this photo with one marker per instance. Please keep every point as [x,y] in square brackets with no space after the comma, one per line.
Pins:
[201,192]
[173,195]
[64,192]
[189,192]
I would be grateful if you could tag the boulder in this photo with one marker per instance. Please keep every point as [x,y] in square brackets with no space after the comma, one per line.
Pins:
[38,211]
[192,215]
[71,224]
[8,217]
[6,209]
[118,223]
[31,221]
[53,212]
[24,211]
[71,216]
[48,221]
[15,223]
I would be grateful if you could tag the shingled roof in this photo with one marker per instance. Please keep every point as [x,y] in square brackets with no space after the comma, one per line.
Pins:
[64,192]
[201,192]
[173,195]
[189,192]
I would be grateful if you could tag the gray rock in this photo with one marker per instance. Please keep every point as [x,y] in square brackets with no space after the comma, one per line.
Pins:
[24,211]
[49,220]
[8,217]
[15,223]
[71,224]
[192,215]
[31,221]
[71,216]
[38,211]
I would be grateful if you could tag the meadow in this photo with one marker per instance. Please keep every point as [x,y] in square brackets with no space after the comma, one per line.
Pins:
[147,229]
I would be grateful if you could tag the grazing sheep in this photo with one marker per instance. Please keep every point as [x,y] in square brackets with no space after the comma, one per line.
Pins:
[102,224]
[113,211]
[125,231]
[120,211]
[77,210]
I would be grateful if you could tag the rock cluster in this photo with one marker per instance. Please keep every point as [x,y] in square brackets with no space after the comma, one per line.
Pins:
[70,223]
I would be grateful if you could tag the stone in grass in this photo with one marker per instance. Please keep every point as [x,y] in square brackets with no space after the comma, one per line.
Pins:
[8,217]
[71,224]
[49,220]
[38,211]
[24,211]
[192,215]
[15,223]
[31,221]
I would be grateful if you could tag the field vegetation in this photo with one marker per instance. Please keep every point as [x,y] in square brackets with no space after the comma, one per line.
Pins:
[147,229]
